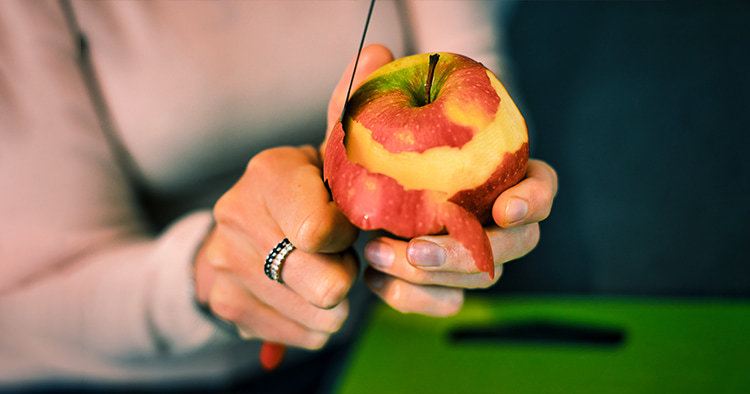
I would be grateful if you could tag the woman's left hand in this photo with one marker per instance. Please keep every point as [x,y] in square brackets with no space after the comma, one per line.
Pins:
[428,274]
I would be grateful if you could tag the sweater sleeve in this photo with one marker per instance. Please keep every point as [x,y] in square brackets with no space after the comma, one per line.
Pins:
[466,27]
[473,28]
[84,289]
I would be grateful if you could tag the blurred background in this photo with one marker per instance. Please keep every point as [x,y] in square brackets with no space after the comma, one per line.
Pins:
[641,279]
[643,108]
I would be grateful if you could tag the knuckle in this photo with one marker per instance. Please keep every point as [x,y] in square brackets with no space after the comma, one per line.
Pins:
[546,207]
[231,209]
[223,208]
[224,306]
[498,274]
[216,257]
[444,306]
[261,161]
[312,154]
[313,232]
[454,304]
[334,323]
[531,237]
[485,282]
[545,194]
[264,162]
[215,251]
[227,311]
[330,291]
[394,296]
[320,220]
[307,170]
[316,341]
[553,176]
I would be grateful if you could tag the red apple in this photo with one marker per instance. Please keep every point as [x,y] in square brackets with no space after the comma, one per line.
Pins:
[427,148]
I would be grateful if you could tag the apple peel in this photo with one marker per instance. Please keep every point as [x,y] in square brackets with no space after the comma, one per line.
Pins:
[376,201]
[466,229]
[416,167]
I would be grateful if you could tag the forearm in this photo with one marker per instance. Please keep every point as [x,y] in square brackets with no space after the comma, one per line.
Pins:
[110,312]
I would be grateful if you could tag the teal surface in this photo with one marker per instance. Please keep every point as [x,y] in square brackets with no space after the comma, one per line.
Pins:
[669,346]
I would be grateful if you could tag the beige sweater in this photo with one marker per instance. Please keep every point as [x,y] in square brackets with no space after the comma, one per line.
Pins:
[192,90]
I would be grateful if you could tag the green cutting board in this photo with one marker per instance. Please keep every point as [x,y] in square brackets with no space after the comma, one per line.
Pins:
[524,345]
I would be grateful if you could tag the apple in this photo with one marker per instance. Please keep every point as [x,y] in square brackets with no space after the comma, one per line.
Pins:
[426,145]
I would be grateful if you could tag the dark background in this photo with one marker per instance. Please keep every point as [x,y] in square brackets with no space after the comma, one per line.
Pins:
[643,109]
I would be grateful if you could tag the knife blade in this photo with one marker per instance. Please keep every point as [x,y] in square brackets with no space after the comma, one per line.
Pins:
[356,60]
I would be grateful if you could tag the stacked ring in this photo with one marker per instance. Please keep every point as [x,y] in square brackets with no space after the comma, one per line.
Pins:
[276,258]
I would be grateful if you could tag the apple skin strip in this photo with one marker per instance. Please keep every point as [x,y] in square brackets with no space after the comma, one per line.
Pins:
[465,228]
[376,201]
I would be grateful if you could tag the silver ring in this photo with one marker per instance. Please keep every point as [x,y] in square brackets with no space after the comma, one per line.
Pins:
[276,258]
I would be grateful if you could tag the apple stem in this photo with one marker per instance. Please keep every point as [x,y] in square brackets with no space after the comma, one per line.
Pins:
[430,74]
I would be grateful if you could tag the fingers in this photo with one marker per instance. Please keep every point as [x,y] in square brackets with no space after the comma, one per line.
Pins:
[302,208]
[443,253]
[280,195]
[319,280]
[410,298]
[390,256]
[230,301]
[293,306]
[322,280]
[229,254]
[428,274]
[298,201]
[372,57]
[530,200]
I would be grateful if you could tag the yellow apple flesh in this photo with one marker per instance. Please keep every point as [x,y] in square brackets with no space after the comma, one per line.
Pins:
[414,166]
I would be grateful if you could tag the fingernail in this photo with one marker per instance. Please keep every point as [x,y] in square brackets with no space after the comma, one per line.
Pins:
[379,254]
[516,210]
[423,253]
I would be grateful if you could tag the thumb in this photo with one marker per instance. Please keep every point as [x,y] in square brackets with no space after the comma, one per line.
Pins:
[372,57]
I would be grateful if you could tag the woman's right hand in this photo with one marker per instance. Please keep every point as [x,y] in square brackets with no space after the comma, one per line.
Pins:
[281,194]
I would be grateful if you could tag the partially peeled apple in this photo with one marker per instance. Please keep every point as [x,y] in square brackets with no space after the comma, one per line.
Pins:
[427,143]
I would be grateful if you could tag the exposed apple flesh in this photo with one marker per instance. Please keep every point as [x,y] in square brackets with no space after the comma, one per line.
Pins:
[413,168]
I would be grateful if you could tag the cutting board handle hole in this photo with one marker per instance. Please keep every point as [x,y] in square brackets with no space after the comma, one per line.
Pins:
[540,331]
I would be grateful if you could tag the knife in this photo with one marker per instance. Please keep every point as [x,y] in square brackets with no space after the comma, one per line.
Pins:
[271,354]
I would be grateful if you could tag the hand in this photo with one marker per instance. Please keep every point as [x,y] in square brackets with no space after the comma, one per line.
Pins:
[405,279]
[281,194]
[428,274]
